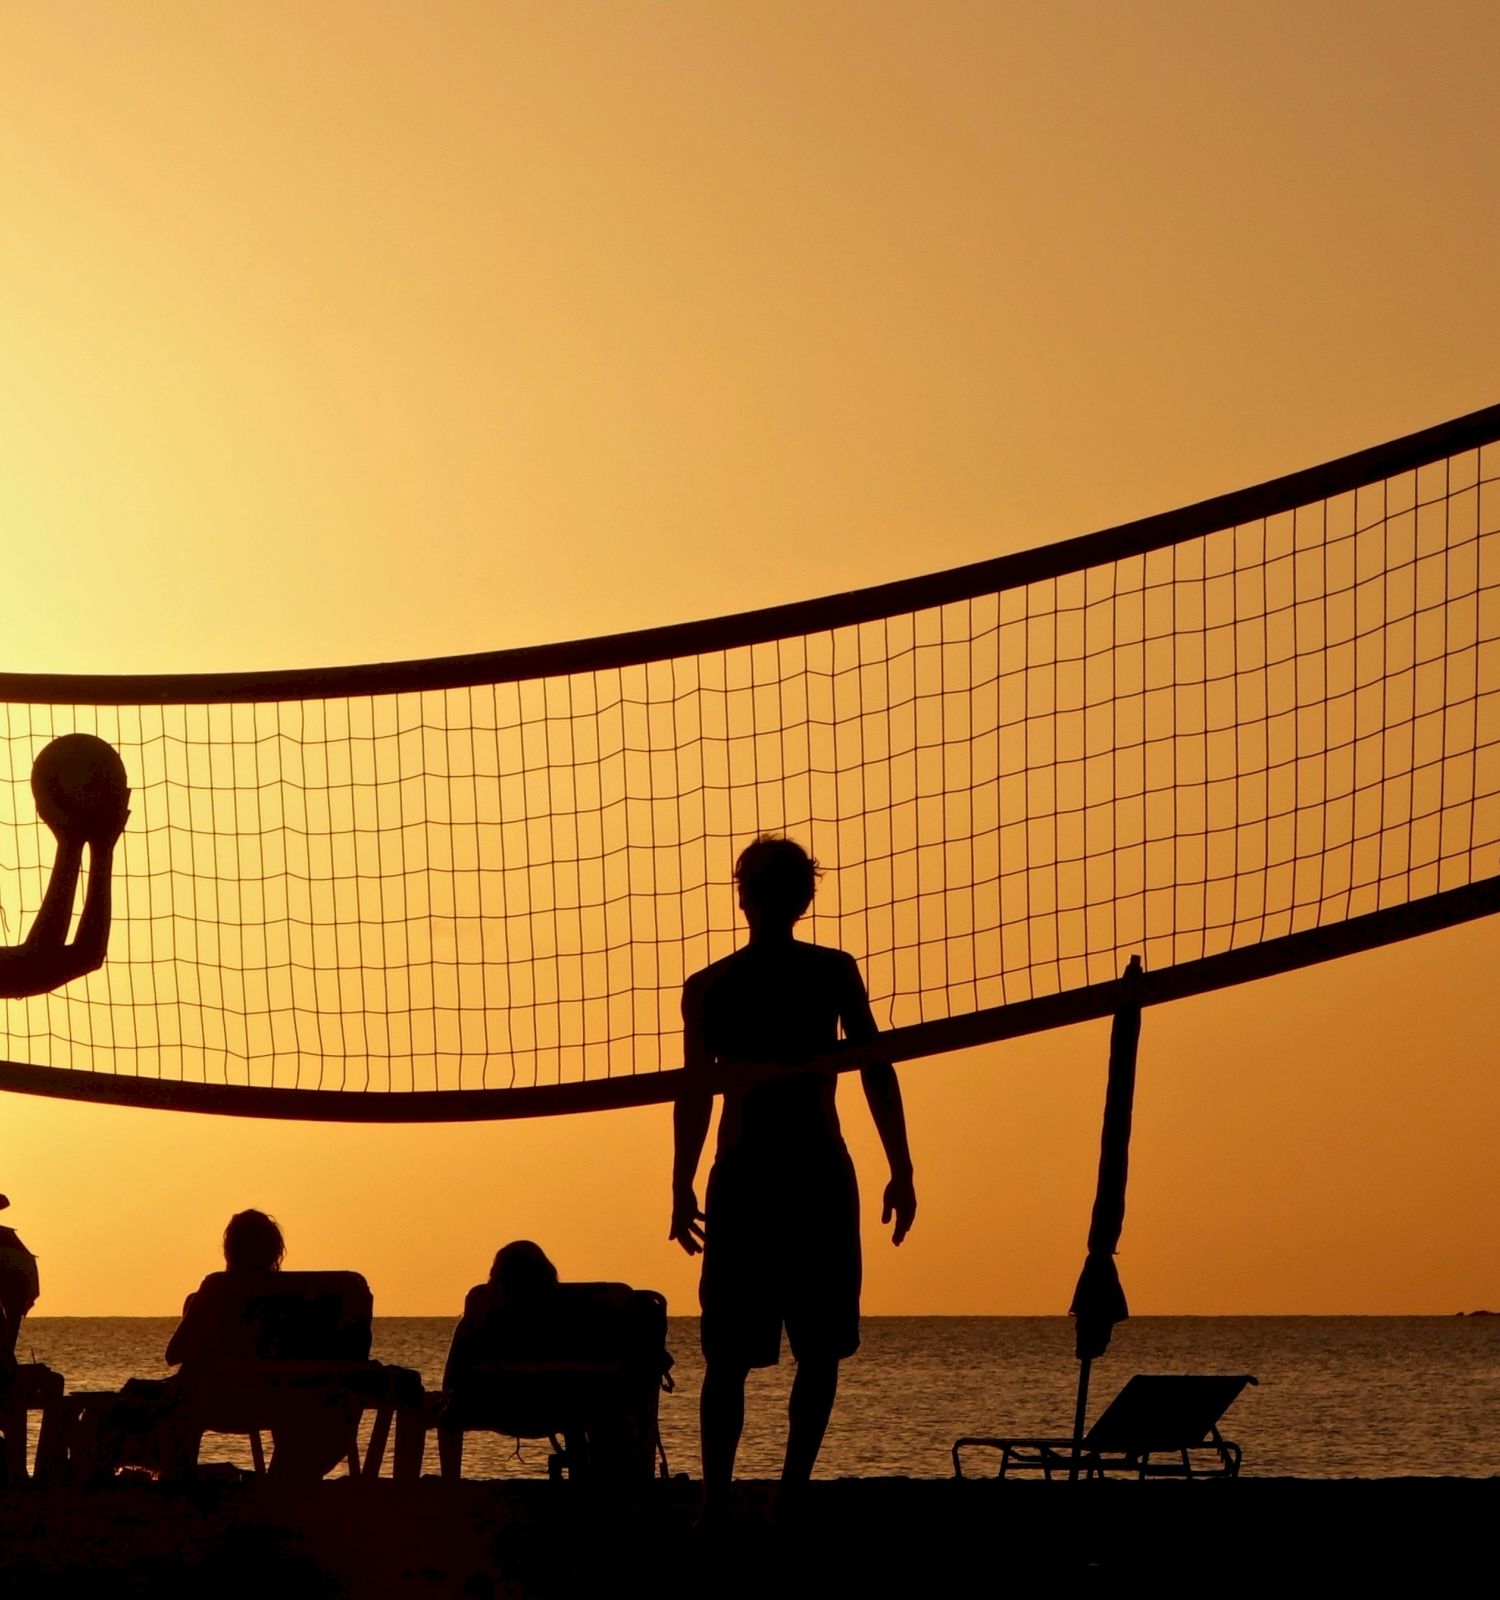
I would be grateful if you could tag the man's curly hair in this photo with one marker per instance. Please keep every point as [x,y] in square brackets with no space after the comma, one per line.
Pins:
[777,878]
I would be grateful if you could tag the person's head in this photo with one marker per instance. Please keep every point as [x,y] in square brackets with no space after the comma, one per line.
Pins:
[521,1268]
[777,879]
[253,1243]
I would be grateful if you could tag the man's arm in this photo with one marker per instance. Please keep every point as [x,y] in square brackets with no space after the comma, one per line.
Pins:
[180,1345]
[91,942]
[883,1092]
[45,960]
[196,1338]
[690,1117]
[50,929]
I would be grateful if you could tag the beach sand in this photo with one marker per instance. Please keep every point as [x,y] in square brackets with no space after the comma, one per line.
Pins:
[858,1537]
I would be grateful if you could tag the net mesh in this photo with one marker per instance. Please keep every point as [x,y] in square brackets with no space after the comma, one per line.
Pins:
[1253,730]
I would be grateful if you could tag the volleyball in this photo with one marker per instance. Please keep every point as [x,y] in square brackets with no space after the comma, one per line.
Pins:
[78,780]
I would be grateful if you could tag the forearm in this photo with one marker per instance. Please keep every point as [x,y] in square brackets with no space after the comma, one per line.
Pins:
[690,1117]
[189,1338]
[51,926]
[883,1092]
[24,971]
[93,924]
[45,961]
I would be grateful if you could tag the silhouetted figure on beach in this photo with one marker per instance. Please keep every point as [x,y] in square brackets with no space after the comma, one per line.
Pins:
[252,1244]
[498,1325]
[520,1281]
[81,795]
[144,1424]
[780,1237]
[580,1363]
[213,1328]
[521,1271]
[19,1287]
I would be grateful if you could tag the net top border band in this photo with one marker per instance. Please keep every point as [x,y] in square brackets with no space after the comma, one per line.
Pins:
[741,629]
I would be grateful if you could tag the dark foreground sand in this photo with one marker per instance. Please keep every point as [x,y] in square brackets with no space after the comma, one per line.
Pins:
[859,1537]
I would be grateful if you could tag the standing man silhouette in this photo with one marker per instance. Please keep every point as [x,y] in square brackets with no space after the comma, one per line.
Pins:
[780,1238]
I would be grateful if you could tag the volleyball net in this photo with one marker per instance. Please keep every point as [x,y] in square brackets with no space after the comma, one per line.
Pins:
[1232,738]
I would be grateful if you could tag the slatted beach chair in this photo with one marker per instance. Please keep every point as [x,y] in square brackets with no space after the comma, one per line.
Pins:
[582,1364]
[1158,1426]
[312,1336]
[296,1348]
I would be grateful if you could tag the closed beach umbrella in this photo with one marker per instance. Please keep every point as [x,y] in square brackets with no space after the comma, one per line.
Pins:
[1099,1300]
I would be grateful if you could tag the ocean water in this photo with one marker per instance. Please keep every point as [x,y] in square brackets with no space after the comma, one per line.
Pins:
[1336,1397]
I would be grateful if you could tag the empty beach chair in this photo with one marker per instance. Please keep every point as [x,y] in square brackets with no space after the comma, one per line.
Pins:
[582,1364]
[1158,1426]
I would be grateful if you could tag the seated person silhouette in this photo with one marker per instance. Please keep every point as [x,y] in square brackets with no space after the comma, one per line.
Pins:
[81,795]
[780,1240]
[213,1328]
[148,1422]
[521,1282]
[19,1287]
[578,1362]
[252,1245]
[499,1327]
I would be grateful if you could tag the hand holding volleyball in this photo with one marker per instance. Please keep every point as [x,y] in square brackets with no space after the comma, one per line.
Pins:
[80,788]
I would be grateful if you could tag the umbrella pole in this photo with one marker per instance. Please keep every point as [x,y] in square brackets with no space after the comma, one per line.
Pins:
[1079,1412]
[1093,1296]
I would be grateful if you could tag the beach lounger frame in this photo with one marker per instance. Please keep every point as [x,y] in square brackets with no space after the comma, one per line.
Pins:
[586,1374]
[256,1397]
[1160,1425]
[314,1331]
[311,1334]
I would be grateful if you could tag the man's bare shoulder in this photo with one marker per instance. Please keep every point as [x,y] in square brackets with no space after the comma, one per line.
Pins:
[703,978]
[825,965]
[826,957]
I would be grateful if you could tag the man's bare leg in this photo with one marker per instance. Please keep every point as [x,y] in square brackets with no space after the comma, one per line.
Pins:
[721,1414]
[808,1411]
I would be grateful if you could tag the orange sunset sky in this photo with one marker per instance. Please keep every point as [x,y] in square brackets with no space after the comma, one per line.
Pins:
[342,332]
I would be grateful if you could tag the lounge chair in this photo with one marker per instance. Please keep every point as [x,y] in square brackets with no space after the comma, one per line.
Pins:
[296,1362]
[581,1364]
[1158,1426]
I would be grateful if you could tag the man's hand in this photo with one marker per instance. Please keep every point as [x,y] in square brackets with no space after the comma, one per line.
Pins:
[900,1204]
[103,830]
[59,825]
[687,1221]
